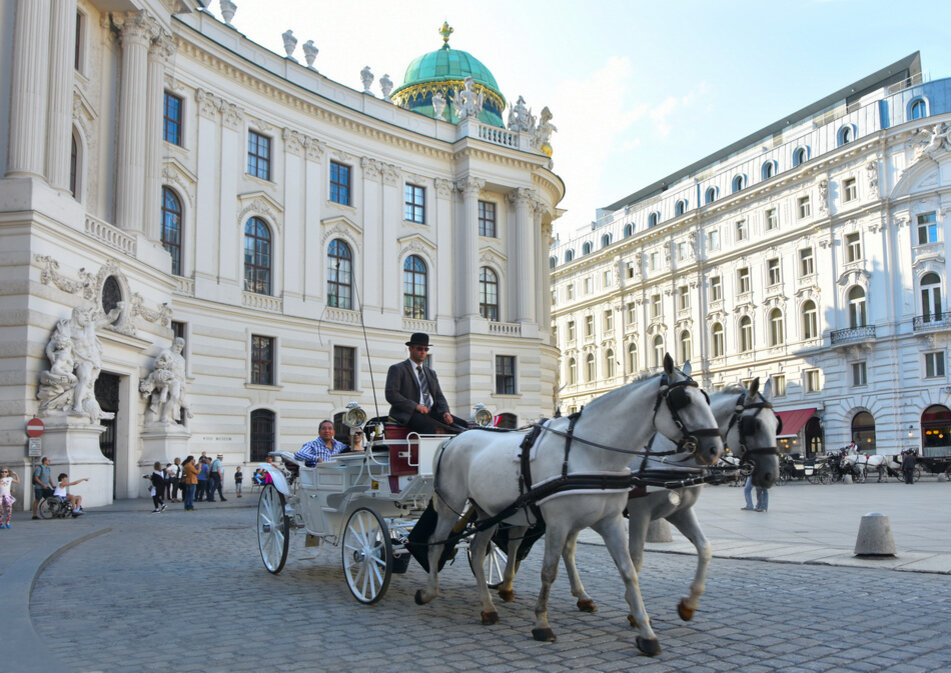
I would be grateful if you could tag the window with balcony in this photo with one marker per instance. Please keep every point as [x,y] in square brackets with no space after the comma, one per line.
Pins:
[931,309]
[257,256]
[415,294]
[339,276]
[853,247]
[743,280]
[927,228]
[857,311]
[488,294]
[806,262]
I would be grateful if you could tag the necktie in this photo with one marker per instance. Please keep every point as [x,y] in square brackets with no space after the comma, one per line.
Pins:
[423,385]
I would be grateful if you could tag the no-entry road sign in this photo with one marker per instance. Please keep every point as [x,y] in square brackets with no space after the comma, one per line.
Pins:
[34,427]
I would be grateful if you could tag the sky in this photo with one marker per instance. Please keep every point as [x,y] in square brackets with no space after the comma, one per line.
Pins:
[638,89]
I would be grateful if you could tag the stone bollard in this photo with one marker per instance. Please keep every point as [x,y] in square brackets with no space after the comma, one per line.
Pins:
[875,536]
[659,531]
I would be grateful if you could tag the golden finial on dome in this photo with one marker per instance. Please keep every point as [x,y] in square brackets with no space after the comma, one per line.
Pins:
[445,31]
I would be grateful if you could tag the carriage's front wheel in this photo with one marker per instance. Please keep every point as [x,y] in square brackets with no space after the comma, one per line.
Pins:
[367,555]
[493,565]
[273,529]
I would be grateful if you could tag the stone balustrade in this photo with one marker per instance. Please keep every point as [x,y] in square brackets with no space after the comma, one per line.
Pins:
[111,236]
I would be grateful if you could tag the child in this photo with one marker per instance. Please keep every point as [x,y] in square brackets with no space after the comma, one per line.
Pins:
[238,478]
[7,478]
[157,489]
[75,501]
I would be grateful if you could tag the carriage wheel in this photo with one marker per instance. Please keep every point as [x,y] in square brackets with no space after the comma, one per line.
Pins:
[825,475]
[783,476]
[45,509]
[273,529]
[493,564]
[367,555]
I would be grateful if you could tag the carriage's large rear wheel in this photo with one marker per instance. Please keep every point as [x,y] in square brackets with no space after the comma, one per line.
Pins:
[367,555]
[493,565]
[273,529]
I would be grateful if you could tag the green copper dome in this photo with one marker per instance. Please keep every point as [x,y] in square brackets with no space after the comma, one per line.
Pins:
[443,71]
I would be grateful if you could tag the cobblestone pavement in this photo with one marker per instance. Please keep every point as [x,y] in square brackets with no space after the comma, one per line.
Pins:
[187,592]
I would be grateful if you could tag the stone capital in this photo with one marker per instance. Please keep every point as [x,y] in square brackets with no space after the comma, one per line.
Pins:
[372,169]
[443,188]
[137,28]
[391,174]
[470,187]
[294,142]
[209,104]
[315,150]
[231,114]
[163,47]
[522,197]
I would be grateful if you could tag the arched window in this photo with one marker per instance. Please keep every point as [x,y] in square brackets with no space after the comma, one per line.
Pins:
[658,354]
[589,367]
[810,320]
[257,257]
[680,207]
[339,275]
[931,297]
[716,332]
[569,255]
[628,230]
[857,313]
[262,434]
[746,334]
[738,183]
[800,156]
[652,220]
[846,135]
[572,371]
[172,228]
[769,170]
[918,109]
[586,248]
[936,430]
[606,240]
[488,294]
[552,262]
[609,368]
[632,358]
[414,288]
[777,329]
[711,195]
[73,165]
[863,431]
[686,349]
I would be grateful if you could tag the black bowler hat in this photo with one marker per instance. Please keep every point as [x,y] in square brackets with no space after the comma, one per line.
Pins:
[418,339]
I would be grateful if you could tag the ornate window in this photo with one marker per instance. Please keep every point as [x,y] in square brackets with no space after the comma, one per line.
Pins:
[415,204]
[857,312]
[716,288]
[339,183]
[716,332]
[339,277]
[931,297]
[172,228]
[632,358]
[586,248]
[800,156]
[488,294]
[743,280]
[806,262]
[414,288]
[777,328]
[257,256]
[849,189]
[746,334]
[805,208]
[172,119]
[686,349]
[628,230]
[589,368]
[259,155]
[810,320]
[609,368]
[853,247]
[927,228]
[773,272]
[487,219]
[658,353]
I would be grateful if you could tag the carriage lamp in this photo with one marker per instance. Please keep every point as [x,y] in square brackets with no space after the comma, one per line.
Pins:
[911,431]
[355,417]
[482,416]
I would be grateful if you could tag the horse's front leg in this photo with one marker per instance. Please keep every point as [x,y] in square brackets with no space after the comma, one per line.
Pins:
[686,522]
[585,604]
[554,544]
[612,530]
[477,550]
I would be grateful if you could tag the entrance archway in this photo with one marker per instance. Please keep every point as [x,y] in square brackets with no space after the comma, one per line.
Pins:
[813,436]
[936,431]
[107,395]
[863,432]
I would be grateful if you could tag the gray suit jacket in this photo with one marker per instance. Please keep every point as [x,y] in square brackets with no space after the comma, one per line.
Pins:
[402,391]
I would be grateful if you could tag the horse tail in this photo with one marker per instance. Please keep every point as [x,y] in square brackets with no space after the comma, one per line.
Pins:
[437,459]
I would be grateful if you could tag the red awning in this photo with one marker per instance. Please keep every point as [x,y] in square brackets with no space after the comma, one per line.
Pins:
[794,420]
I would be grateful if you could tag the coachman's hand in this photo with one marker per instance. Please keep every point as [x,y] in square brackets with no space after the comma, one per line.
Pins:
[422,408]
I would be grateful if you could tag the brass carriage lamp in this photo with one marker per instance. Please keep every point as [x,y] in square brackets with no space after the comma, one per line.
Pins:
[482,416]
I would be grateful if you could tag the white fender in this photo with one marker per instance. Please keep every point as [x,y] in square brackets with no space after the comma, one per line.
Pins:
[280,481]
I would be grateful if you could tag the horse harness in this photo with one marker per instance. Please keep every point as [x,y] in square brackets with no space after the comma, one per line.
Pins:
[748,425]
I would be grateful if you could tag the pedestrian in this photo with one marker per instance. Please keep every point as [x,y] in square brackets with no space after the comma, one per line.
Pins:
[202,490]
[157,488]
[191,482]
[215,477]
[178,486]
[62,492]
[762,497]
[238,478]
[7,479]
[42,483]
[167,479]
[908,466]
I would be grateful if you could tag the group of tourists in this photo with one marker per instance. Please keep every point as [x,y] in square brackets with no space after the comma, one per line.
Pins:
[191,480]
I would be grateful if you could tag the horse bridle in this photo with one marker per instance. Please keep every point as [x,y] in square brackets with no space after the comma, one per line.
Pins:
[674,395]
[746,429]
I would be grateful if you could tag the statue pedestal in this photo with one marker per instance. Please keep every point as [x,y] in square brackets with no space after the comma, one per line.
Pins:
[163,442]
[72,445]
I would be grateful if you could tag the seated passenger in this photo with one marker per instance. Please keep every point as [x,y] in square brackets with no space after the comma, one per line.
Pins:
[325,446]
[61,492]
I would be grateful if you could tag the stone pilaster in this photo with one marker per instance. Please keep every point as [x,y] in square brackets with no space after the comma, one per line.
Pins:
[160,53]
[59,128]
[525,235]
[29,90]
[468,296]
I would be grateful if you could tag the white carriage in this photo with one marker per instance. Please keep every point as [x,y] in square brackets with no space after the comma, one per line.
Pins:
[365,502]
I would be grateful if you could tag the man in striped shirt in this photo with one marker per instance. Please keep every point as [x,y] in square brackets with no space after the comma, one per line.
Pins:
[324,447]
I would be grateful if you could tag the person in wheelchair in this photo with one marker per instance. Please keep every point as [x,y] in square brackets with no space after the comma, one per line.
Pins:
[326,446]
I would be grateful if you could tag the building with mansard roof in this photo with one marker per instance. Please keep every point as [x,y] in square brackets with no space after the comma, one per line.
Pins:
[811,252]
[166,177]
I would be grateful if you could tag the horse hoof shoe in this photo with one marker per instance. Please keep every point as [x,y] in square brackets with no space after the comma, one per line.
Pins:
[543,635]
[632,621]
[490,617]
[419,597]
[587,606]
[649,646]
[685,612]
[507,595]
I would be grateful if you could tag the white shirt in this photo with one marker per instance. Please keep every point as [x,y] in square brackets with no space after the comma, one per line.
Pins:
[422,398]
[59,491]
[5,484]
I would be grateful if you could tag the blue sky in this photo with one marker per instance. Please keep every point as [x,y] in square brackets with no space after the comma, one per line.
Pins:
[638,89]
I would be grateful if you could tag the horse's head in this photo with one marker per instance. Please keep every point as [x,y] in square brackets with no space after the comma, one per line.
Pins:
[682,414]
[752,432]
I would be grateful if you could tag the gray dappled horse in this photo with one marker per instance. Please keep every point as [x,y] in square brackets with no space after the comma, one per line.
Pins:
[484,467]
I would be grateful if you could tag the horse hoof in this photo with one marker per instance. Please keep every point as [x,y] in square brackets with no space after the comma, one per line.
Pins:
[543,635]
[419,597]
[685,612]
[490,617]
[587,605]
[649,646]
[632,621]
[507,595]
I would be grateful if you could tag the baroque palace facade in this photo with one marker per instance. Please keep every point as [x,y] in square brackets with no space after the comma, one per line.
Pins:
[166,177]
[811,253]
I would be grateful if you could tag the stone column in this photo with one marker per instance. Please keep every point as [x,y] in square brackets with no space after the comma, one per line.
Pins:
[59,130]
[444,240]
[314,197]
[369,267]
[468,296]
[207,236]
[160,52]
[525,235]
[293,241]
[392,265]
[29,90]
[133,129]
[544,308]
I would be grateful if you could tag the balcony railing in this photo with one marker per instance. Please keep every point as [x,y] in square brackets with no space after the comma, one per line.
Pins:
[263,302]
[110,235]
[506,328]
[931,321]
[864,333]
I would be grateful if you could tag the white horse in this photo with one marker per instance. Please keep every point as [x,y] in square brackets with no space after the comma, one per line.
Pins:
[748,425]
[597,443]
[878,462]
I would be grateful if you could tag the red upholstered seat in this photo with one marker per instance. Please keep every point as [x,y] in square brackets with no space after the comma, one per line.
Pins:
[400,465]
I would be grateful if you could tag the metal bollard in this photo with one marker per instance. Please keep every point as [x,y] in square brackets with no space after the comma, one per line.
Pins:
[659,531]
[875,536]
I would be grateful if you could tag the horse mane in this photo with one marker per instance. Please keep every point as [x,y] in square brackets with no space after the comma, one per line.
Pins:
[733,389]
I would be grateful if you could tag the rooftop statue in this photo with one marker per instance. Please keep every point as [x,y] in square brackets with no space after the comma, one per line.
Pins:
[366,76]
[520,117]
[290,43]
[439,105]
[467,101]
[386,86]
[543,132]
[310,53]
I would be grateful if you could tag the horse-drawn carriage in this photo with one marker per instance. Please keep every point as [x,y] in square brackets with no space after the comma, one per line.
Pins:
[794,466]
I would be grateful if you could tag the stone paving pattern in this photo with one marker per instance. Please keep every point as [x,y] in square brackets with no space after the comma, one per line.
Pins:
[187,592]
